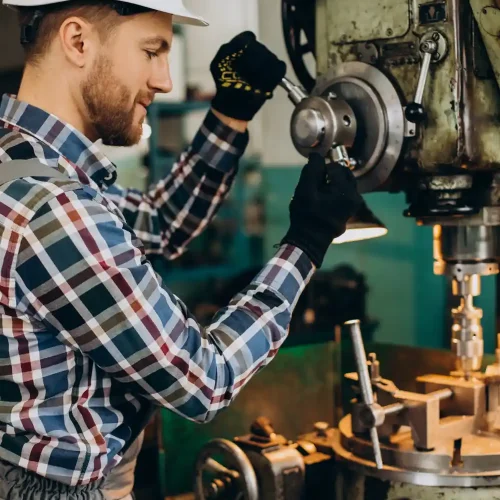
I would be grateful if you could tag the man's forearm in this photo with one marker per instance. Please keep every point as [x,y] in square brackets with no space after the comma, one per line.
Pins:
[180,206]
[238,125]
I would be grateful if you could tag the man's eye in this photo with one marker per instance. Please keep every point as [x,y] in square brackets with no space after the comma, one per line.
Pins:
[151,54]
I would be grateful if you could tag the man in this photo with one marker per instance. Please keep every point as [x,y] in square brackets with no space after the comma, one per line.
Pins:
[90,342]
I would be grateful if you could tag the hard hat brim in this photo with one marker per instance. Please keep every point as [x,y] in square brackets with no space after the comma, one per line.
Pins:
[181,15]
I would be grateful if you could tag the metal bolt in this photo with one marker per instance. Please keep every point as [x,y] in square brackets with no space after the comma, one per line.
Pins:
[428,46]
[389,32]
[435,36]
[332,96]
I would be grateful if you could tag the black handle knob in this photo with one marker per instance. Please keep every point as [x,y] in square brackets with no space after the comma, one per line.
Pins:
[262,427]
[415,113]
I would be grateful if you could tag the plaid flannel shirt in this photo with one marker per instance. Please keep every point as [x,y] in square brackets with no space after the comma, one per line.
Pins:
[90,341]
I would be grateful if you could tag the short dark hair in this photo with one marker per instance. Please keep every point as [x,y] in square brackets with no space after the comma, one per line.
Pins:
[105,14]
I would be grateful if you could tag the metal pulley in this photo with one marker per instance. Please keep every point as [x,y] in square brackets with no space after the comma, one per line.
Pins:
[354,116]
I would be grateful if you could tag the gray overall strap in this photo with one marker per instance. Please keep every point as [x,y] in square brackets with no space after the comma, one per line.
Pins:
[17,169]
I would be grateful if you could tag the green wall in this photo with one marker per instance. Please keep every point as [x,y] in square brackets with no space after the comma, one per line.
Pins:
[405,296]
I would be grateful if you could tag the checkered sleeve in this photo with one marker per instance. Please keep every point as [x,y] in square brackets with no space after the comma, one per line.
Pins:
[84,274]
[179,207]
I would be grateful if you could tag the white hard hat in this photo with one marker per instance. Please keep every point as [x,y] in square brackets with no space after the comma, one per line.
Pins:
[174,7]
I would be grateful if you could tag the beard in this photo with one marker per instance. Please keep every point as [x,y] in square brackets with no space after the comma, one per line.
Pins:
[108,106]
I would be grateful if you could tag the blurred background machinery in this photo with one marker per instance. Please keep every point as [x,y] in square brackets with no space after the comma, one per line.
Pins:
[406,94]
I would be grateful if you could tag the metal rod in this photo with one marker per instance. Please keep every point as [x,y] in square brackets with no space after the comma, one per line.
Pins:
[422,78]
[361,363]
[217,468]
[376,448]
[364,382]
[393,409]
[295,93]
[441,394]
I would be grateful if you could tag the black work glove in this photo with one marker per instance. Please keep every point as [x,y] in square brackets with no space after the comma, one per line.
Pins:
[325,198]
[246,74]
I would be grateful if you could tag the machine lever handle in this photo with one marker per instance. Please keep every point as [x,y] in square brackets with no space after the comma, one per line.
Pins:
[415,112]
[365,383]
[295,93]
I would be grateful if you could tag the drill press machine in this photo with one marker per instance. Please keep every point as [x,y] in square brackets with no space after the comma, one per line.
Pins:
[420,81]
[406,94]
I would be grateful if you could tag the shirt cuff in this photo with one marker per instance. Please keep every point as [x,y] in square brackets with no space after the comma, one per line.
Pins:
[219,145]
[288,272]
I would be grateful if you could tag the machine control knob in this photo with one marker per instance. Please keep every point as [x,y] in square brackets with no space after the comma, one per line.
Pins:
[321,428]
[415,112]
[263,427]
[309,127]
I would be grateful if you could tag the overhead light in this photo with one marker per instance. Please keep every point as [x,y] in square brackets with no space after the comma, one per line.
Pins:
[362,226]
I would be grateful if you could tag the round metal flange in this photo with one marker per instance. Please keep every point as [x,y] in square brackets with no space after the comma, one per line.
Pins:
[402,463]
[379,117]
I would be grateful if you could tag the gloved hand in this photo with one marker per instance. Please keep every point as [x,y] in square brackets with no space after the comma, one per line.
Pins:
[325,198]
[246,74]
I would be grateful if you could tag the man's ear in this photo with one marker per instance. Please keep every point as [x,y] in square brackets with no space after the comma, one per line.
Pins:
[78,40]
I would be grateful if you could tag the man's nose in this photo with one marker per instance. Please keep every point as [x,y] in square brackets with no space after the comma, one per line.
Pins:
[160,79]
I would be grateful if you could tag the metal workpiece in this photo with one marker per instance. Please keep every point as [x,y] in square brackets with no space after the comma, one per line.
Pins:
[438,436]
[445,433]
[470,284]
[467,336]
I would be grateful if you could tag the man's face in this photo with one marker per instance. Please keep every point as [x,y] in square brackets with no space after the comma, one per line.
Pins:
[131,67]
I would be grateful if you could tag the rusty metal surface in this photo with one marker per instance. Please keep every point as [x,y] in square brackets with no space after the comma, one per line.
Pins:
[376,19]
[463,119]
